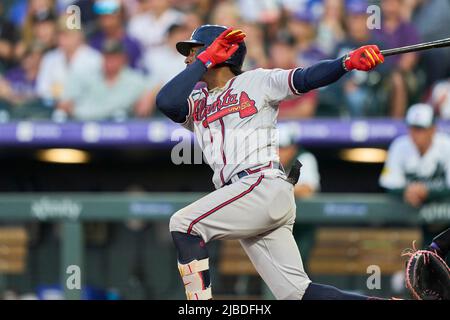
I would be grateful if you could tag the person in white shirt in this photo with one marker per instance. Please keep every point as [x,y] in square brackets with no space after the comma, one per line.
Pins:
[309,181]
[72,56]
[156,18]
[106,95]
[162,64]
[418,164]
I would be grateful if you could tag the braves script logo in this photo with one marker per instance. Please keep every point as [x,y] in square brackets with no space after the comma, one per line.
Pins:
[227,103]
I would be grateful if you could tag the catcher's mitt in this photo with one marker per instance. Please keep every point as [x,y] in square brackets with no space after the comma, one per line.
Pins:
[427,275]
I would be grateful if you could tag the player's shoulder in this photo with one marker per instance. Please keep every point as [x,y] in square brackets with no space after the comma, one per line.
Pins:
[442,142]
[442,138]
[265,71]
[402,143]
[306,156]
[53,55]
[256,76]
[250,74]
[88,51]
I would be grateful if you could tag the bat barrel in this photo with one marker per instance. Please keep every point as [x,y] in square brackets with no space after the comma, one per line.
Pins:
[417,47]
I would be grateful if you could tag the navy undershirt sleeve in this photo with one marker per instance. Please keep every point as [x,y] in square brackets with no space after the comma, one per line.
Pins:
[318,75]
[172,98]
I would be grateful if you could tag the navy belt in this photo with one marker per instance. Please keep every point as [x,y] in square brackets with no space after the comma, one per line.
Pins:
[247,172]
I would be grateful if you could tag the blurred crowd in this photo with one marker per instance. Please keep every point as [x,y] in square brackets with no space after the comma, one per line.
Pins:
[112,67]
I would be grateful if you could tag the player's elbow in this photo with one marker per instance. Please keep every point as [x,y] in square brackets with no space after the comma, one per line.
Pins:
[166,104]
[162,101]
[299,80]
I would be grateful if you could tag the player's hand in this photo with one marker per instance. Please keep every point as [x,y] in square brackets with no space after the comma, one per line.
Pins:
[222,48]
[416,194]
[364,58]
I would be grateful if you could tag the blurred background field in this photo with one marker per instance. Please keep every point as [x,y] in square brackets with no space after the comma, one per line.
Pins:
[86,176]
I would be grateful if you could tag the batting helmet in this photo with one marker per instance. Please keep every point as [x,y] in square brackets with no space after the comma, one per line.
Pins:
[204,36]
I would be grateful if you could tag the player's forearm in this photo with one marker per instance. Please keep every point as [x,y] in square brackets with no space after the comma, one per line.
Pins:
[172,99]
[365,58]
[318,75]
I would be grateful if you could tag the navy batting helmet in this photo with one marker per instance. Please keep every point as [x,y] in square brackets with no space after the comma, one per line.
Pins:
[204,36]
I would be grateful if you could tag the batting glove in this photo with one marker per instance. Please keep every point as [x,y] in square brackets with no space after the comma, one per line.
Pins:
[365,58]
[222,48]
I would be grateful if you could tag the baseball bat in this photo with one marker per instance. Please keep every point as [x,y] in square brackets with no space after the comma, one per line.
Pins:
[417,47]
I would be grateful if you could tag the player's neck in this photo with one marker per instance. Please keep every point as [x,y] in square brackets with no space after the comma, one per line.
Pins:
[217,78]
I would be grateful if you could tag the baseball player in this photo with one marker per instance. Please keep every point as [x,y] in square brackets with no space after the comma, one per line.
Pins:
[234,120]
[418,164]
[289,151]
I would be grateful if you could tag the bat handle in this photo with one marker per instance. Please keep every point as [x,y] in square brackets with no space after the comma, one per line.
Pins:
[417,47]
[387,53]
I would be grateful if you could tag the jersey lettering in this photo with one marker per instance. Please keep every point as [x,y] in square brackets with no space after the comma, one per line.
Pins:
[236,124]
[223,106]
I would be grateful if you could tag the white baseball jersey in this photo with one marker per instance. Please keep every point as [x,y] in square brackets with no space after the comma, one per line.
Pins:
[235,125]
[405,164]
[310,170]
[236,128]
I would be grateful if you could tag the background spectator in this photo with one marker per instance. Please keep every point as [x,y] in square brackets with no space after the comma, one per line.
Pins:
[356,94]
[317,26]
[18,86]
[256,56]
[294,5]
[72,56]
[259,11]
[303,26]
[8,38]
[162,63]
[401,81]
[155,19]
[418,164]
[226,13]
[331,27]
[435,62]
[17,13]
[282,55]
[40,25]
[108,94]
[111,25]
[192,20]
[289,151]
